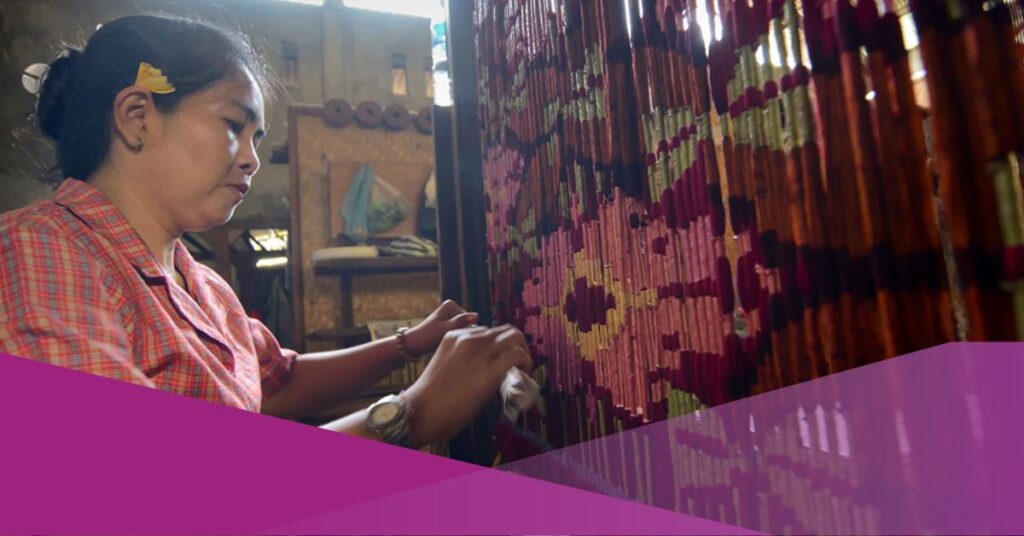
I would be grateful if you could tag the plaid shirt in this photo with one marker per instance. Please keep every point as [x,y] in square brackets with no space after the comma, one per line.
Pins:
[79,288]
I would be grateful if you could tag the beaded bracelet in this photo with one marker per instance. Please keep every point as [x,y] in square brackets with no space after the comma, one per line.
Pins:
[402,348]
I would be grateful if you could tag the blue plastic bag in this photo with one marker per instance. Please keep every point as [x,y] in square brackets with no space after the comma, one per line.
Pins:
[372,206]
[356,206]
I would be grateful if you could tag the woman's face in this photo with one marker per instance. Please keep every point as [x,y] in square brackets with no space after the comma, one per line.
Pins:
[204,154]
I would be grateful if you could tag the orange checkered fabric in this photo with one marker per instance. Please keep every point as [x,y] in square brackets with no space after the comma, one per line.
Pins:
[79,289]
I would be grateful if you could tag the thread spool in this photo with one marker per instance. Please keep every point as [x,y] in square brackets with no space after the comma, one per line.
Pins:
[369,114]
[396,117]
[337,113]
[424,121]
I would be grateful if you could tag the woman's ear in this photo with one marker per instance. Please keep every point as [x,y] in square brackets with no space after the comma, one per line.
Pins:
[133,112]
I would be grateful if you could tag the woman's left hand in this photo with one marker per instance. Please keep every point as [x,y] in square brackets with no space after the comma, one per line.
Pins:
[427,335]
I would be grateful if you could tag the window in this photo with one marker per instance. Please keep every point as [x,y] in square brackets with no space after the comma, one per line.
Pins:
[290,59]
[399,78]
[428,71]
[412,8]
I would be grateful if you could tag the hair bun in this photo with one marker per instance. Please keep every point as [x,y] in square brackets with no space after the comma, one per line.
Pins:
[56,91]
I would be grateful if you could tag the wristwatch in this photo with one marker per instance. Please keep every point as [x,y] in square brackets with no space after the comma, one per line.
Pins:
[388,418]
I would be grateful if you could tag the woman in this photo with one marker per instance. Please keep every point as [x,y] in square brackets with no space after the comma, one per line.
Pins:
[156,124]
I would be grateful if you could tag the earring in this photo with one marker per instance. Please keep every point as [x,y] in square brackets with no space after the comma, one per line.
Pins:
[138,145]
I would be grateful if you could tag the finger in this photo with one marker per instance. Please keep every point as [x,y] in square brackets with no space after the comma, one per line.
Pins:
[512,336]
[449,309]
[491,334]
[510,342]
[515,357]
[486,341]
[463,320]
[468,331]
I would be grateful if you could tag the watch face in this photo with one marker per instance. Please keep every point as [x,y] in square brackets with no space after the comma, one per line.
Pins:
[384,413]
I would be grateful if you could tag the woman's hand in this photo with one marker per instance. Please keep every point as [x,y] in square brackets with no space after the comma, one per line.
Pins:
[425,337]
[464,374]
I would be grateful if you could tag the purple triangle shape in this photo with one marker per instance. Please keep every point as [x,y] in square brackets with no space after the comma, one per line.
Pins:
[492,501]
[115,458]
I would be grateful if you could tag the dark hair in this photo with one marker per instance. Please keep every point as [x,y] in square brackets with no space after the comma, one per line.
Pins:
[77,94]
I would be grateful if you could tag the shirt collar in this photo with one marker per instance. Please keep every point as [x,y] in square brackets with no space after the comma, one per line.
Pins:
[96,210]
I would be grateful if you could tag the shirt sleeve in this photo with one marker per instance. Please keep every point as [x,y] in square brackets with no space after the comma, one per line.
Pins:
[275,362]
[55,307]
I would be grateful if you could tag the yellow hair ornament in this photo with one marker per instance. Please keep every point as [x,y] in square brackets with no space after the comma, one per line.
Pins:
[152,79]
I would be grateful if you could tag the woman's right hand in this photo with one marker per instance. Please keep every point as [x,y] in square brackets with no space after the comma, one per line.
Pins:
[463,375]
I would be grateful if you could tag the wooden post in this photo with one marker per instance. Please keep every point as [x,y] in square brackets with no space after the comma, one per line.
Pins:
[476,443]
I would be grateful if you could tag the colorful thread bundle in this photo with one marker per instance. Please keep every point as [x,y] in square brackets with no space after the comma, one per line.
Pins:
[675,224]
